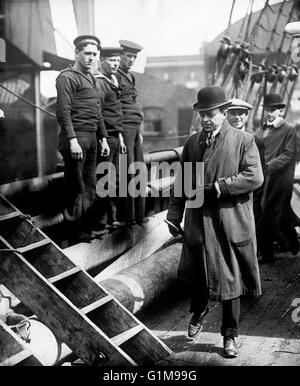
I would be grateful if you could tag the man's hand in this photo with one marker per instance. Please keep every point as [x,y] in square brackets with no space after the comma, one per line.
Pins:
[212,191]
[174,228]
[105,150]
[123,147]
[75,149]
[141,138]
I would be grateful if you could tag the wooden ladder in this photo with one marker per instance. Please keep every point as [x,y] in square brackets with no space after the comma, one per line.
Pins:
[79,311]
[13,352]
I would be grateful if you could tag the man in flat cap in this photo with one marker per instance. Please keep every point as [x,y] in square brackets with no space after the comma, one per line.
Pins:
[81,122]
[109,94]
[237,117]
[279,220]
[132,121]
[218,260]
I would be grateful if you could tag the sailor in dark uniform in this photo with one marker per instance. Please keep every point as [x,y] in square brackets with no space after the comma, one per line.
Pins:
[109,94]
[132,120]
[81,122]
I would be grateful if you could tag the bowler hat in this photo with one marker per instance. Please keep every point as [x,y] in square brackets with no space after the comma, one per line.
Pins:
[130,46]
[110,51]
[239,104]
[273,100]
[210,97]
[86,39]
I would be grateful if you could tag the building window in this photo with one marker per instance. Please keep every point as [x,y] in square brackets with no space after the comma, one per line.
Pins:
[153,117]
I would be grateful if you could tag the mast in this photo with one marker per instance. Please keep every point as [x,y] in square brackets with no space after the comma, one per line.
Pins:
[84,15]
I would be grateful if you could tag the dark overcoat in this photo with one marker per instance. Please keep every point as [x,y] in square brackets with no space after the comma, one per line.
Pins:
[280,155]
[219,249]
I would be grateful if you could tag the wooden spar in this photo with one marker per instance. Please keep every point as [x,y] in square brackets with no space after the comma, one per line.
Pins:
[143,241]
[139,241]
[137,286]
[146,243]
[142,283]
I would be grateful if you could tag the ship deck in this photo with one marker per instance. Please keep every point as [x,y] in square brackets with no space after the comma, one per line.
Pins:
[269,325]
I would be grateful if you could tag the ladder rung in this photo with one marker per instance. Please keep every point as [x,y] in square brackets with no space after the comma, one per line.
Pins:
[34,245]
[65,274]
[9,215]
[17,358]
[126,335]
[96,304]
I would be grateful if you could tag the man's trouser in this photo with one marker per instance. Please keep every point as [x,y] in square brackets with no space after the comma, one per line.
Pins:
[132,208]
[80,178]
[105,208]
[230,314]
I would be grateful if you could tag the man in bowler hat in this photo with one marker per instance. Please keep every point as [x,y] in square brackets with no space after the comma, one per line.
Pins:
[218,260]
[82,125]
[132,121]
[279,220]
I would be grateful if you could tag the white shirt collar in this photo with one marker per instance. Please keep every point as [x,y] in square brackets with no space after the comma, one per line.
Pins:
[276,123]
[214,133]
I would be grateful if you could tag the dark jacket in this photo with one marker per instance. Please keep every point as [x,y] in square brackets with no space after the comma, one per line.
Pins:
[280,154]
[219,248]
[110,100]
[132,113]
[78,105]
[258,193]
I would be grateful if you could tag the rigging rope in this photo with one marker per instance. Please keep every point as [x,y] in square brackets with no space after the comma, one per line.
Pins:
[257,24]
[27,101]
[243,25]
[249,21]
[230,17]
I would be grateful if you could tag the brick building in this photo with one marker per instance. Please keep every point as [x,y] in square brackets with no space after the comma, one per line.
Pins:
[167,111]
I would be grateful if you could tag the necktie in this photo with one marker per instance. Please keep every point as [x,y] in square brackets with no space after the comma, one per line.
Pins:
[209,139]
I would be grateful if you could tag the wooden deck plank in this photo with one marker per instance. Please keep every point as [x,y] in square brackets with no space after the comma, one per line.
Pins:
[96,304]
[81,290]
[64,275]
[34,245]
[48,260]
[126,335]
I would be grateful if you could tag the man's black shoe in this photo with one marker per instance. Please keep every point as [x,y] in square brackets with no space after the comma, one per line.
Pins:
[196,323]
[230,347]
